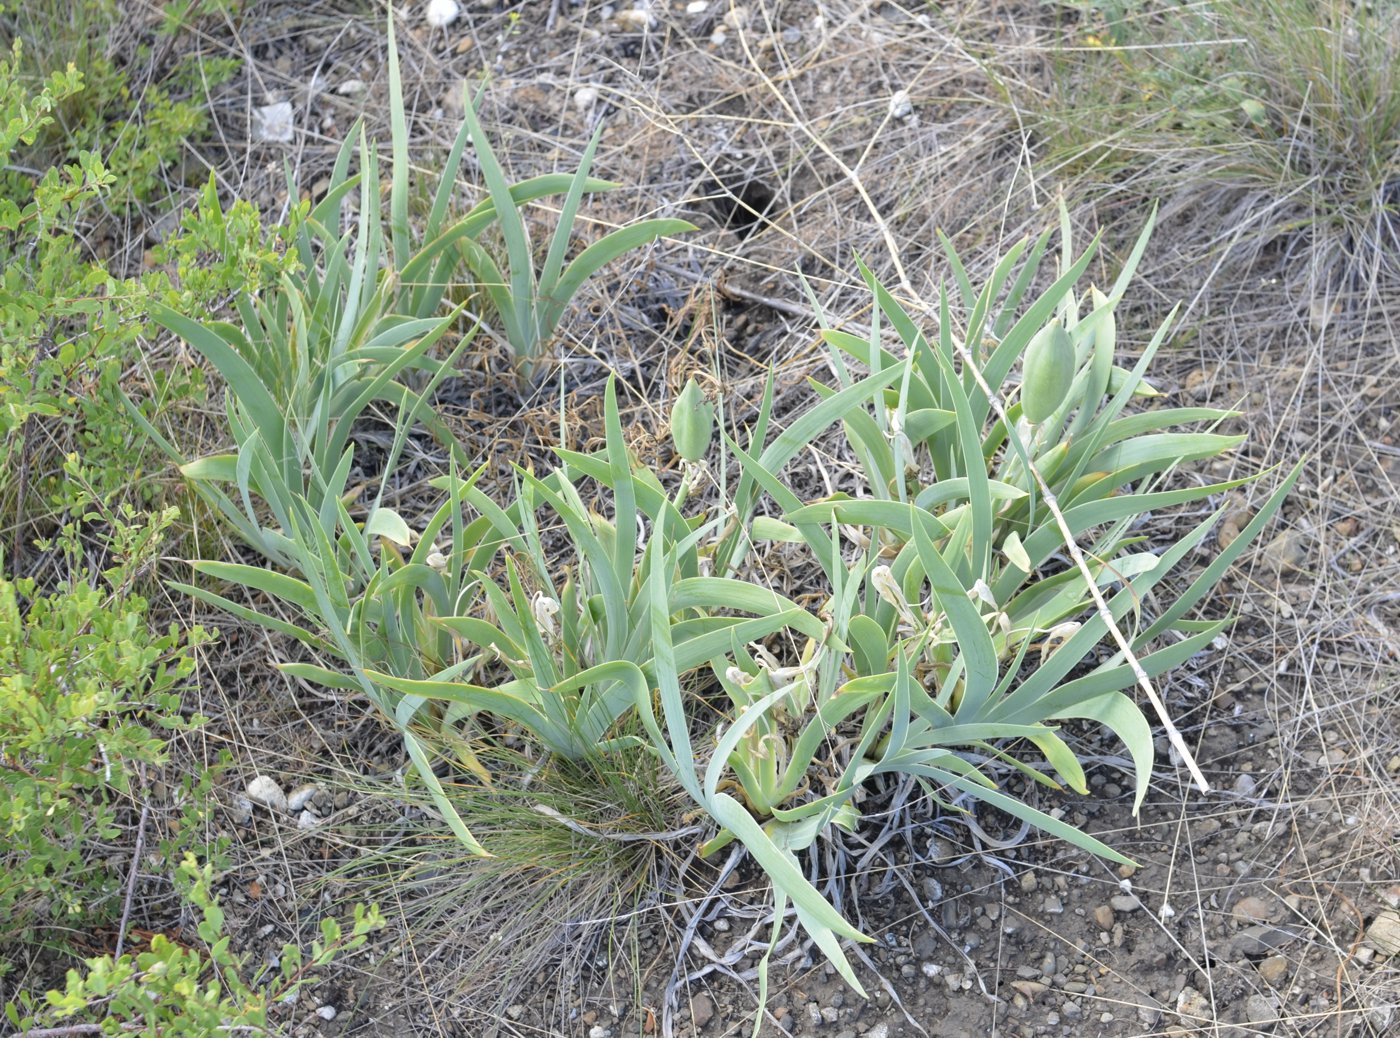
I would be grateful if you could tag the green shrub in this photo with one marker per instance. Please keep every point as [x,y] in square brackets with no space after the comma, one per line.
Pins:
[141,123]
[87,691]
[174,990]
[73,338]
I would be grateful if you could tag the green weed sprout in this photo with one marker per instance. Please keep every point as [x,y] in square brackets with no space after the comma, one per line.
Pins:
[531,304]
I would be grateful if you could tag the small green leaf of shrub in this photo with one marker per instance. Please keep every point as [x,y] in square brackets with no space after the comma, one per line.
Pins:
[86,691]
[174,990]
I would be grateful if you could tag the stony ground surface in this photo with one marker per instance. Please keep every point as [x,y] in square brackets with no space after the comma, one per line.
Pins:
[1266,906]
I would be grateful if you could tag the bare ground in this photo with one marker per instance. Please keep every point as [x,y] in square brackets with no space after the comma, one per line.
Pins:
[1250,910]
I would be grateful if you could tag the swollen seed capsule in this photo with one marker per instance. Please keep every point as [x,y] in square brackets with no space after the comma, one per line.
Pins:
[692,423]
[1046,373]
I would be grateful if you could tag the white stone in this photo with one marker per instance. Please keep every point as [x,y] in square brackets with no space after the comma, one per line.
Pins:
[1192,1006]
[308,820]
[901,107]
[1384,933]
[697,6]
[442,13]
[274,123]
[585,98]
[301,796]
[326,1012]
[265,791]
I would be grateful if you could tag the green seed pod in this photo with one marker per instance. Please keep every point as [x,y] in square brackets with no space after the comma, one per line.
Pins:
[692,423]
[1046,373]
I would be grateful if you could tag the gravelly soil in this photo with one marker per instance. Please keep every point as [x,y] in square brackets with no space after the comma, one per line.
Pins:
[1250,909]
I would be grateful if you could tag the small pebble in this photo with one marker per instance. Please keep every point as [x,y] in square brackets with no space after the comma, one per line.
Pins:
[1384,933]
[1103,917]
[1273,969]
[326,1012]
[1332,756]
[702,1008]
[1192,1006]
[1261,1009]
[301,796]
[265,791]
[1260,939]
[442,13]
[1251,910]
[274,123]
[636,20]
[1124,903]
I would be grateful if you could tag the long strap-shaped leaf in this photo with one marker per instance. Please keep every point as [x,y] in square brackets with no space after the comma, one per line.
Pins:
[242,380]
[822,921]
[974,641]
[521,287]
[595,257]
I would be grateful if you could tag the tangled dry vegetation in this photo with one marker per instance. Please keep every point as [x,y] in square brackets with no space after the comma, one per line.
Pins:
[804,138]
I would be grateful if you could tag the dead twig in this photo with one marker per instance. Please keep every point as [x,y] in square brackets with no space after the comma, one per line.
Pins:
[135,866]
